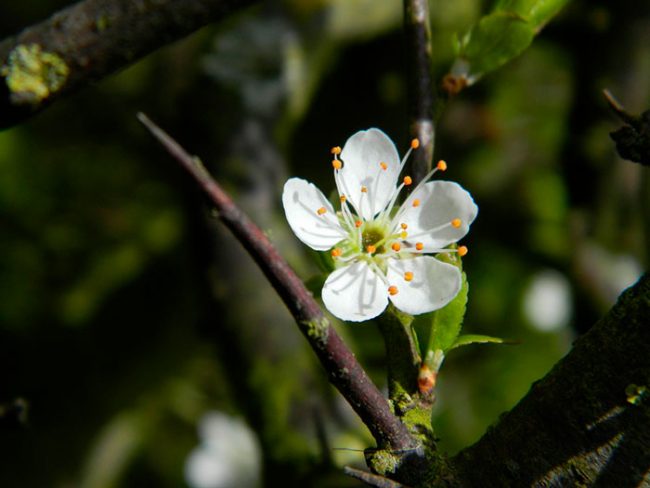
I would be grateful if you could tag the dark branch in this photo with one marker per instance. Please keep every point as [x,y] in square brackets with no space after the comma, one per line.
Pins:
[345,373]
[587,422]
[372,479]
[421,95]
[633,139]
[95,38]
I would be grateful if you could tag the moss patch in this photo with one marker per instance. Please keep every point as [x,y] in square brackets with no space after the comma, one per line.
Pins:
[32,74]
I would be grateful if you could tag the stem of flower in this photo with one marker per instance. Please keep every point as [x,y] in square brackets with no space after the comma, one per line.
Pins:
[344,372]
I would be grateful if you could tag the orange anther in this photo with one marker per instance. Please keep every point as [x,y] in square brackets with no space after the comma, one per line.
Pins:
[403,226]
[321,211]
[415,143]
[419,246]
[336,150]
[337,164]
[392,290]
[343,198]
[371,249]
[384,166]
[396,246]
[456,223]
[364,189]
[408,276]
[442,166]
[357,224]
[416,202]
[336,252]
[462,250]
[408,180]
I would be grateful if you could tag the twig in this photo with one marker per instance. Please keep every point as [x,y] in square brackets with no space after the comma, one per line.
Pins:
[372,479]
[345,373]
[417,29]
[95,38]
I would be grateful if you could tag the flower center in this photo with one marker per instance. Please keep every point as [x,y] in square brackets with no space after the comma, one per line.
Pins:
[371,236]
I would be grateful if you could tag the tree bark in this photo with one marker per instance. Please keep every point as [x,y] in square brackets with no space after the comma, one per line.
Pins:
[587,423]
[95,38]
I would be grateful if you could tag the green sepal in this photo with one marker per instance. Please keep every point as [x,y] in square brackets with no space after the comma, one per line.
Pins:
[467,339]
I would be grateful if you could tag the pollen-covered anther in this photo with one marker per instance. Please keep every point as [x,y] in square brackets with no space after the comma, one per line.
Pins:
[371,249]
[336,252]
[392,290]
[337,164]
[364,189]
[396,246]
[403,226]
[415,143]
[462,251]
[456,223]
[403,234]
[416,202]
[343,198]
[408,276]
[442,165]
[358,224]
[321,211]
[336,150]
[419,246]
[408,180]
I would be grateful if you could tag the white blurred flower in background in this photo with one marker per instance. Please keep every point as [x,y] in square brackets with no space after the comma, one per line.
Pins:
[547,301]
[229,455]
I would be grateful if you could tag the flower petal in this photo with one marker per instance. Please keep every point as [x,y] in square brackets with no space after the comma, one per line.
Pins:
[439,203]
[355,293]
[301,201]
[433,284]
[363,155]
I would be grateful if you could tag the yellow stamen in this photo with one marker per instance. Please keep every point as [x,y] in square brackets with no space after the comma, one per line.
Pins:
[442,166]
[415,143]
[403,226]
[396,246]
[462,251]
[337,164]
[336,150]
[408,276]
[371,249]
[343,198]
[403,234]
[336,252]
[384,166]
[456,223]
[357,224]
[321,211]
[393,290]
[416,202]
[364,189]
[419,246]
[408,180]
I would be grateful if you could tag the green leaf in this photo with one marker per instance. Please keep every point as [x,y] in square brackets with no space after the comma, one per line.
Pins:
[467,339]
[537,12]
[491,43]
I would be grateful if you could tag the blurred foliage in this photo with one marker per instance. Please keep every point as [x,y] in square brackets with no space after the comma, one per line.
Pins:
[126,312]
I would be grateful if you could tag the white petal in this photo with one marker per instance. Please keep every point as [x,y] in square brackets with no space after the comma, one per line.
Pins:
[301,201]
[434,284]
[440,203]
[355,293]
[362,156]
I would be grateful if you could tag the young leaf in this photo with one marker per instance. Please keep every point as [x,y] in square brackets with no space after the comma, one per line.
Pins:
[537,12]
[468,339]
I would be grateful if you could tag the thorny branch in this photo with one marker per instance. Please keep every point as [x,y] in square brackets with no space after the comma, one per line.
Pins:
[94,38]
[345,373]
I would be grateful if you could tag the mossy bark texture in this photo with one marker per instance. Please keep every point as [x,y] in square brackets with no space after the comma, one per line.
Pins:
[95,38]
[587,423]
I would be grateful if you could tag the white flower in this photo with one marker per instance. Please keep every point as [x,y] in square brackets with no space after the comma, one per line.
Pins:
[379,250]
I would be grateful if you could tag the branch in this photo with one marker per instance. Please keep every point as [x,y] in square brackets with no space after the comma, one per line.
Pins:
[372,479]
[345,373]
[587,422]
[421,97]
[87,42]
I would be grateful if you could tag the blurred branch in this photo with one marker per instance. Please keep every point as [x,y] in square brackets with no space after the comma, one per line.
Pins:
[633,139]
[372,479]
[587,422]
[345,373]
[90,40]
[421,95]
